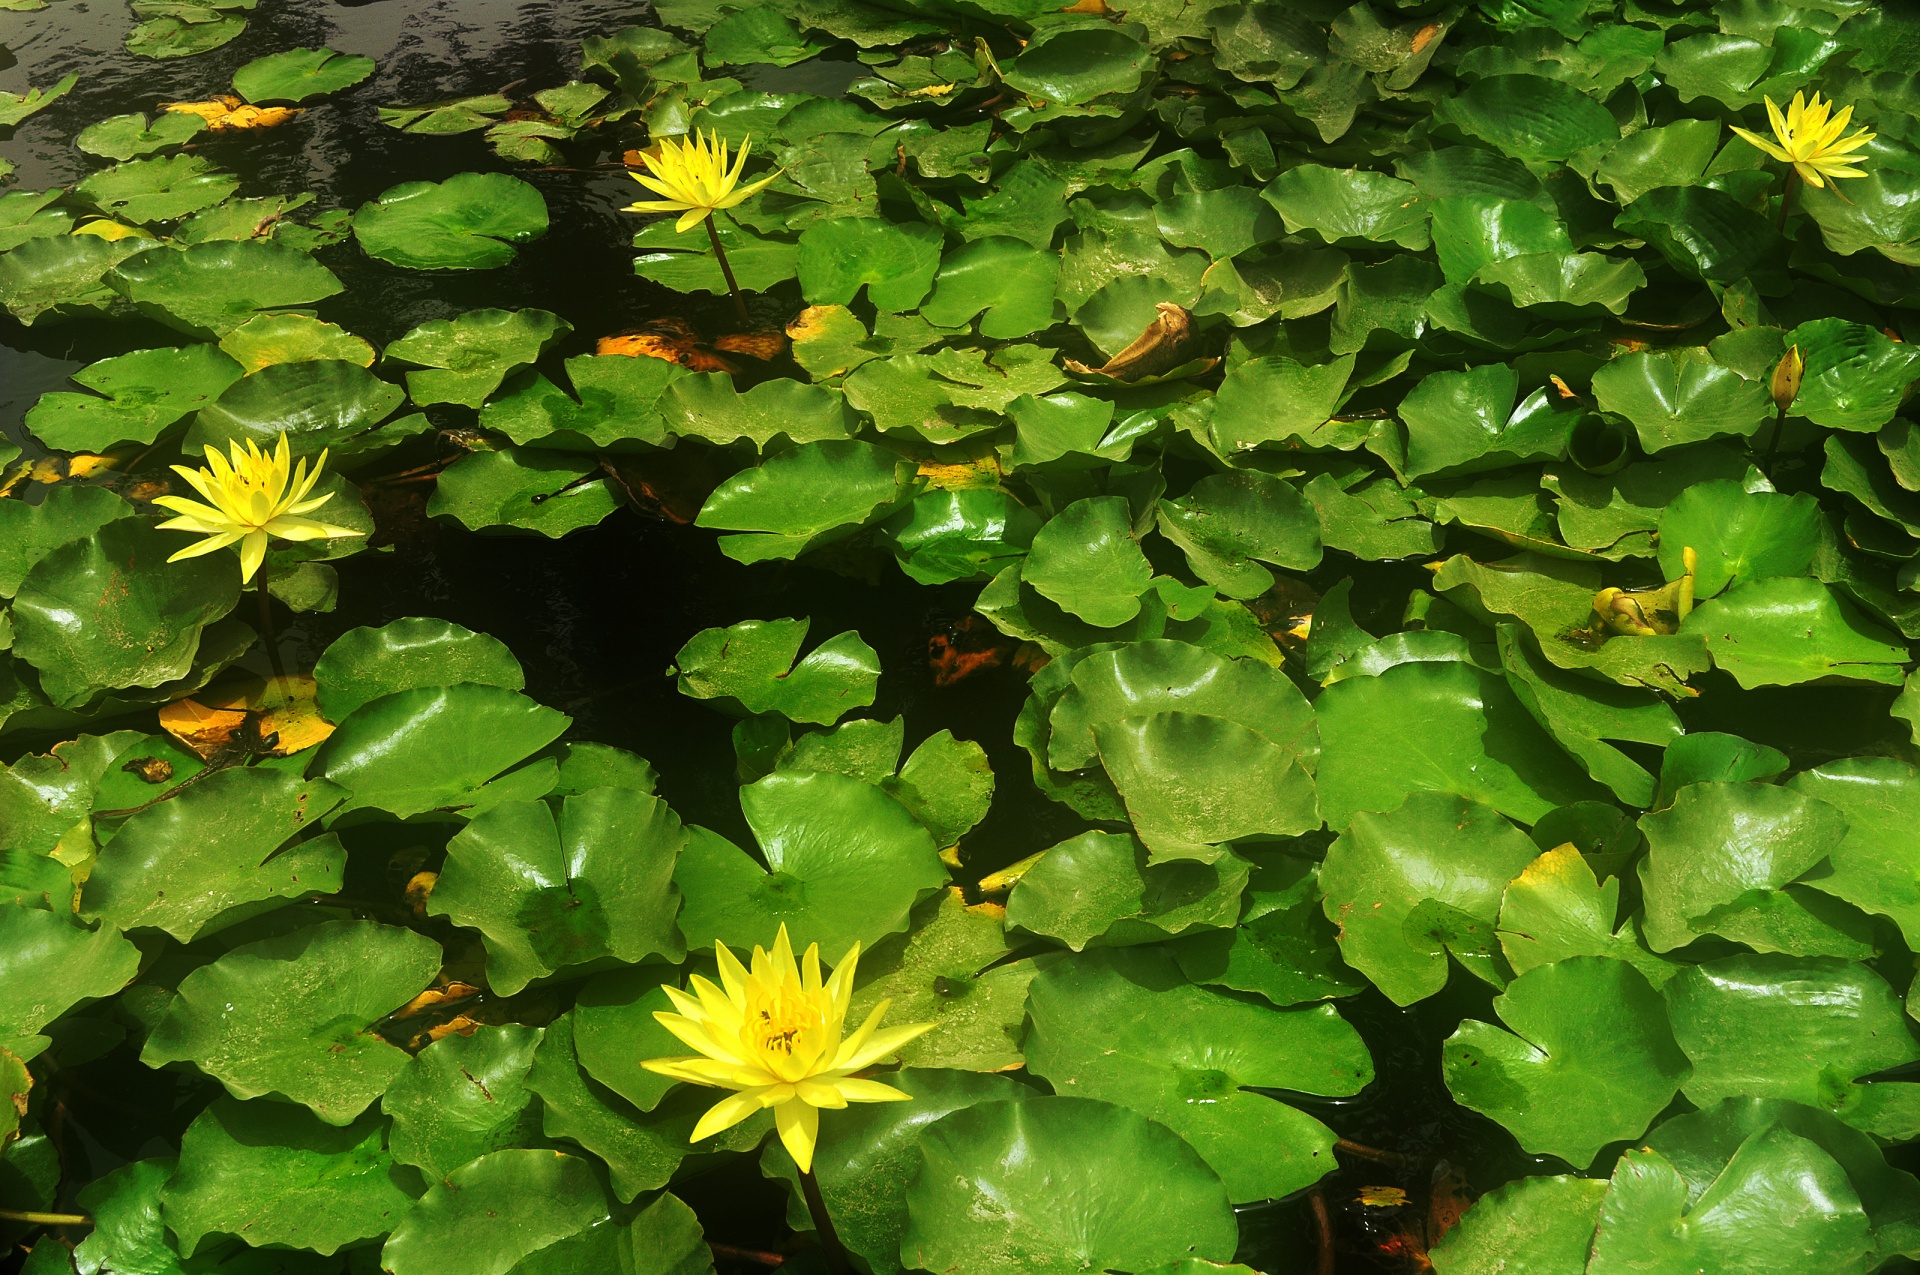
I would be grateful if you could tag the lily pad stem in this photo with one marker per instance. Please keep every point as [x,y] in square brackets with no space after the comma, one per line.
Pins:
[45,1219]
[266,628]
[726,268]
[822,1224]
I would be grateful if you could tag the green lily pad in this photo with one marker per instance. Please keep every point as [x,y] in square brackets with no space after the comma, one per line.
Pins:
[1071,63]
[953,969]
[867,1153]
[1228,523]
[1006,283]
[1088,561]
[969,534]
[366,663]
[688,265]
[1855,375]
[51,964]
[1773,1026]
[1283,948]
[471,221]
[294,75]
[950,394]
[1558,909]
[164,188]
[1787,630]
[593,886]
[895,263]
[1529,117]
[138,396]
[1435,849]
[67,513]
[140,616]
[498,1212]
[1475,739]
[708,406]
[1672,401]
[751,665]
[549,492]
[757,35]
[325,403]
[129,136]
[1099,890]
[183,865]
[1873,866]
[463,1097]
[291,1015]
[1738,535]
[1189,1059]
[210,289]
[845,863]
[61,275]
[466,358]
[15,107]
[1535,1225]
[615,400]
[270,339]
[614,1031]
[1350,205]
[199,28]
[1050,1186]
[275,1174]
[24,215]
[470,733]
[1721,860]
[1590,1058]
[1701,1144]
[1780,1194]
[809,496]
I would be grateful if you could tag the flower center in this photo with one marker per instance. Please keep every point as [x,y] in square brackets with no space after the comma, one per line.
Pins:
[782,1016]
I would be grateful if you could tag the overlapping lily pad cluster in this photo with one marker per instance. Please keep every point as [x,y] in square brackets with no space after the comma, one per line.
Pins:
[1456,494]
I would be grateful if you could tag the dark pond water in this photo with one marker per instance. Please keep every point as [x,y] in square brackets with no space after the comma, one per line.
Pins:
[596,619]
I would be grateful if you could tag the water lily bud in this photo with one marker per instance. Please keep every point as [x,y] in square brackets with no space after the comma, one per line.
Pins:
[1784,385]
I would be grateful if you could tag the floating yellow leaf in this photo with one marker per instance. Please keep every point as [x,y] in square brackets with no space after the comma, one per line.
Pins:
[110,230]
[280,707]
[224,114]
[1381,1197]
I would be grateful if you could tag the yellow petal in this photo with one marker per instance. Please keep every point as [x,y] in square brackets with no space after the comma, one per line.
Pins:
[723,1115]
[253,552]
[208,545]
[855,1090]
[799,1127]
[817,1093]
[689,219]
[882,1044]
[1762,143]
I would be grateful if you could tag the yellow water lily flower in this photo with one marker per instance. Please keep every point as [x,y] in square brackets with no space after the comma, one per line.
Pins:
[693,178]
[1811,141]
[250,497]
[773,1033]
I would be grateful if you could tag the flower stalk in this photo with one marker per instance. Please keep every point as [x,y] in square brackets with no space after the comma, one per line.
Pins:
[836,1253]
[698,178]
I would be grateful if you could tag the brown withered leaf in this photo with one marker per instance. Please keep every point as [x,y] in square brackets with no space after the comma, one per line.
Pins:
[1167,344]
[670,485]
[677,341]
[228,114]
[967,646]
[151,770]
[436,998]
[755,345]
